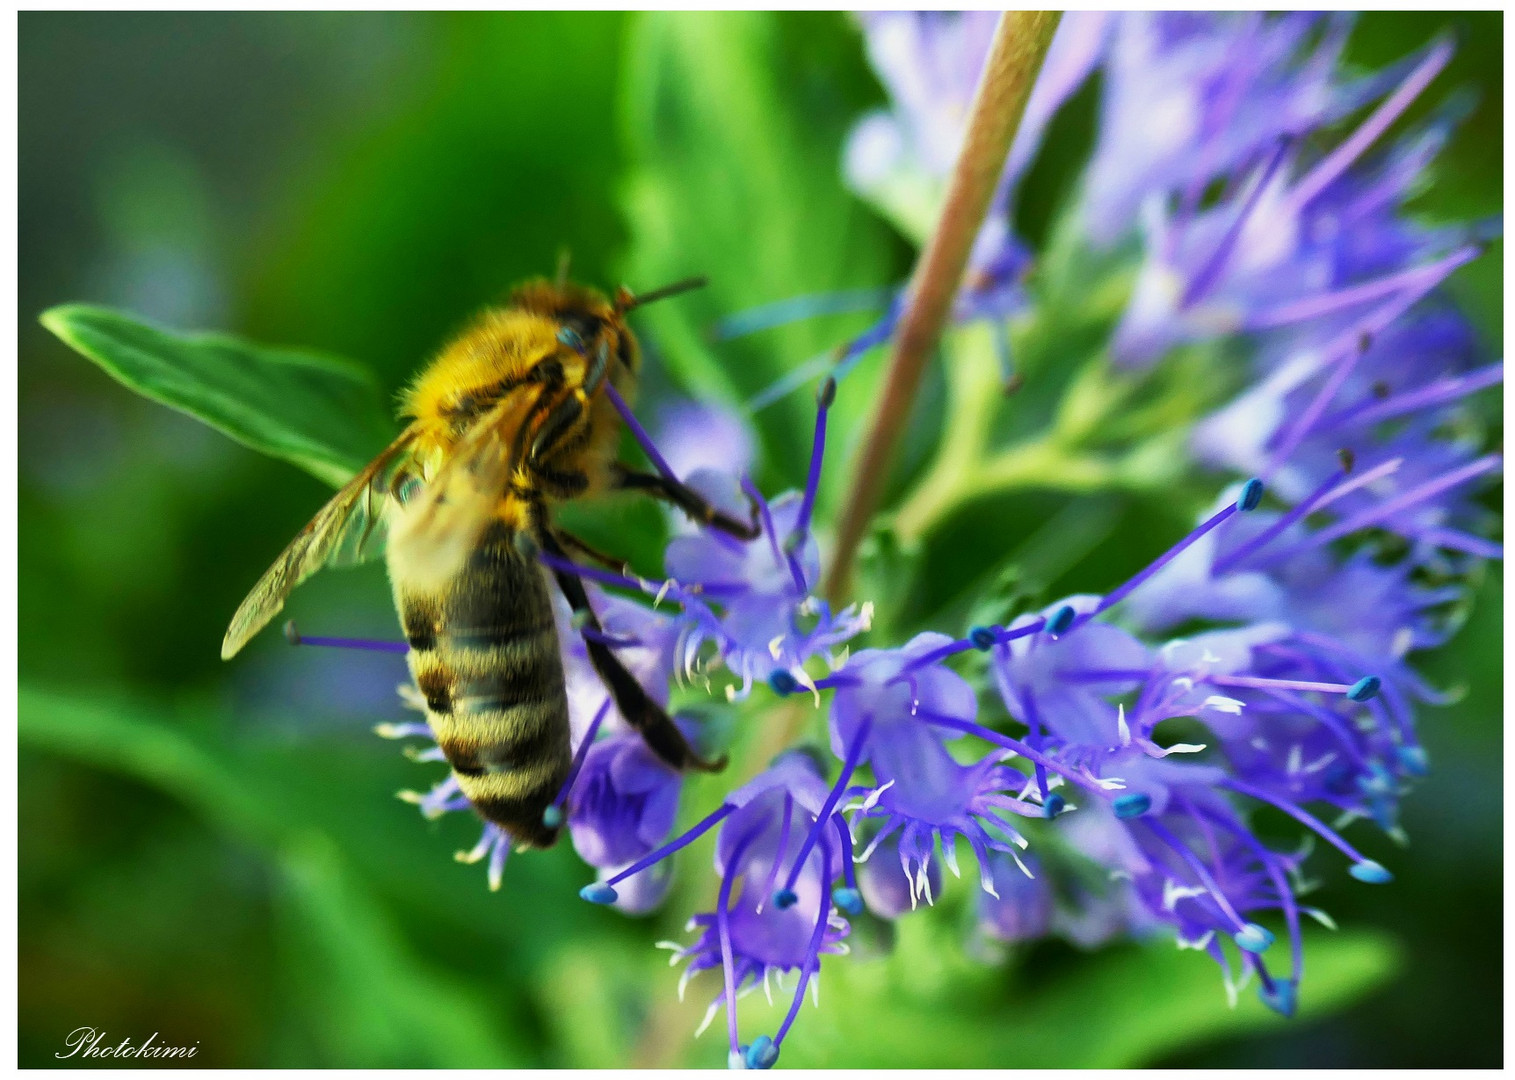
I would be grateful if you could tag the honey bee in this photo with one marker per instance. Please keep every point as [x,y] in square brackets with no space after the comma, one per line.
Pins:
[511,419]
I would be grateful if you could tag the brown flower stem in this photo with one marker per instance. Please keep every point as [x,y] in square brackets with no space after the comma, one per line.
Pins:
[1020,44]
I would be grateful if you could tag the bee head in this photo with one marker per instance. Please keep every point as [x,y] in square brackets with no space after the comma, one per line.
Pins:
[585,317]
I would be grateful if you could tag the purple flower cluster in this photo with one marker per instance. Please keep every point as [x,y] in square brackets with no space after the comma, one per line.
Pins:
[1263,660]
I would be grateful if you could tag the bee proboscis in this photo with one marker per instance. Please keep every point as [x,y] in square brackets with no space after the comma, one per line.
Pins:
[509,420]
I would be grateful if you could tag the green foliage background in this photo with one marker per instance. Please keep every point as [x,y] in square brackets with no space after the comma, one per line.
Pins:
[211,851]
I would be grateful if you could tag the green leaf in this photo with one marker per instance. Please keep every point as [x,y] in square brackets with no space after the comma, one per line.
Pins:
[369,998]
[736,123]
[927,1005]
[323,414]
[373,1003]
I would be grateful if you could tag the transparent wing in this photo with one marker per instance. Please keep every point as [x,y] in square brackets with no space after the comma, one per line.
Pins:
[348,529]
[433,534]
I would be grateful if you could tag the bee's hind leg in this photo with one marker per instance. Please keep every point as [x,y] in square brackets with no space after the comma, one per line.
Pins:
[641,712]
[594,554]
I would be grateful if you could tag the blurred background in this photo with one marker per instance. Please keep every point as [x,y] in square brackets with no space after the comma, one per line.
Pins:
[212,851]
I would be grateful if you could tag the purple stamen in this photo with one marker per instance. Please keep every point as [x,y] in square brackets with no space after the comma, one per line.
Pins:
[1468,544]
[1318,499]
[1280,885]
[989,735]
[845,838]
[778,853]
[854,754]
[952,648]
[1254,683]
[1407,499]
[813,956]
[831,682]
[1438,392]
[823,399]
[1398,715]
[801,586]
[771,533]
[723,928]
[1337,162]
[876,334]
[1415,283]
[640,433]
[1222,565]
[674,845]
[1037,734]
[1210,273]
[1345,363]
[552,817]
[1163,560]
[1192,860]
[1326,718]
[1350,345]
[1304,817]
[651,587]
[294,637]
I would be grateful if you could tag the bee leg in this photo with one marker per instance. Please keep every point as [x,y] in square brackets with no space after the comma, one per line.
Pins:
[591,553]
[560,423]
[699,508]
[641,712]
[563,485]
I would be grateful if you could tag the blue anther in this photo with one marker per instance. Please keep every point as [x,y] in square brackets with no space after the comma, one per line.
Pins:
[782,682]
[568,336]
[1053,805]
[1133,805]
[1061,619]
[1370,872]
[1283,998]
[983,637]
[1413,758]
[1253,938]
[598,893]
[848,899]
[784,899]
[552,817]
[1251,495]
[825,394]
[762,1053]
[1365,688]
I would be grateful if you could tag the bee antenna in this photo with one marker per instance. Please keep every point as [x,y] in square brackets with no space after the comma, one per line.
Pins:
[564,258]
[626,299]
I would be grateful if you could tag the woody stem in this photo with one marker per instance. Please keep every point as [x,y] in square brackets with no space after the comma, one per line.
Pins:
[1015,57]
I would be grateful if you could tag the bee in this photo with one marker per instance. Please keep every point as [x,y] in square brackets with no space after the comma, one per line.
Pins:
[510,420]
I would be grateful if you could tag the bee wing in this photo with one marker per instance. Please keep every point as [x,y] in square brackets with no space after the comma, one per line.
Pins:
[348,529]
[433,534]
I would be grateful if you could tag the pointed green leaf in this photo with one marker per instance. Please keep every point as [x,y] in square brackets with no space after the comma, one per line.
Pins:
[370,998]
[372,1001]
[928,1005]
[321,413]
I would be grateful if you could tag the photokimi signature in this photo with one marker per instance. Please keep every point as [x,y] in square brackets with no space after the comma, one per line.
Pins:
[88,1042]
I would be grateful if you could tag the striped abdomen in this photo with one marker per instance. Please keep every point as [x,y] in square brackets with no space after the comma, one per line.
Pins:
[484,654]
